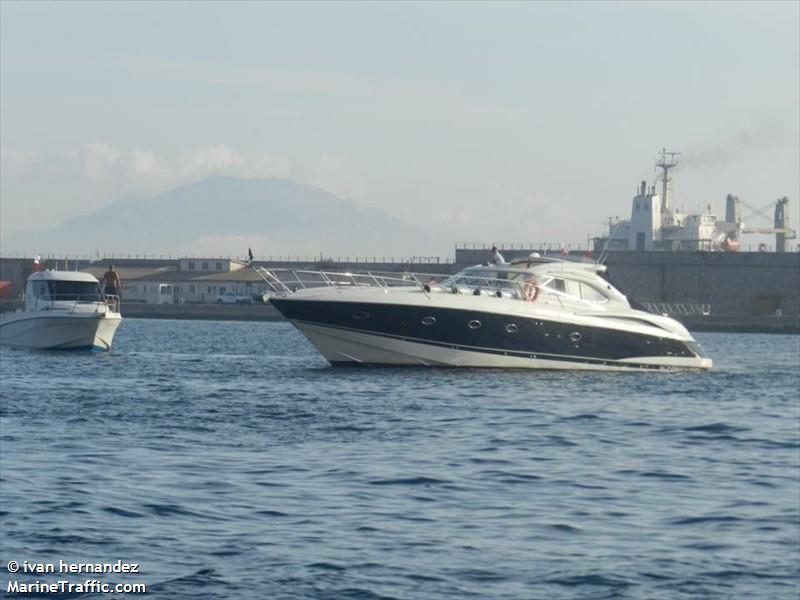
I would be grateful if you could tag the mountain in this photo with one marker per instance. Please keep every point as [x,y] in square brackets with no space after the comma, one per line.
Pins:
[226,215]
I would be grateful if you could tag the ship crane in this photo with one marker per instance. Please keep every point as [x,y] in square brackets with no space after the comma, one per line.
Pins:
[781,228]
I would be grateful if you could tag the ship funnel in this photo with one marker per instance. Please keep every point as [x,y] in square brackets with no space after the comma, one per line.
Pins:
[733,209]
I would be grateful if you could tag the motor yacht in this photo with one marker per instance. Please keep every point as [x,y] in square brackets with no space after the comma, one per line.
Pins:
[63,310]
[539,313]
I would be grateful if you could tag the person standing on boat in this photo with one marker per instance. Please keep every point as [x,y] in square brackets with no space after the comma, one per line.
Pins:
[497,258]
[112,286]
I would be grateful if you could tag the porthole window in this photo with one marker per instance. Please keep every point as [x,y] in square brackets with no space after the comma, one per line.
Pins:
[361,315]
[474,324]
[511,328]
[575,336]
[428,320]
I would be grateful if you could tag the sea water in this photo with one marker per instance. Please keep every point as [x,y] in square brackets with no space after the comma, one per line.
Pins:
[228,460]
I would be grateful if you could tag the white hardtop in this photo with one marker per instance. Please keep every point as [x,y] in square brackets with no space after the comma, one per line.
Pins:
[62,276]
[558,278]
[540,266]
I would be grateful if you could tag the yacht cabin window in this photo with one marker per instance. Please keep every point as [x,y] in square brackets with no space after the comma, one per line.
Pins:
[40,290]
[591,294]
[576,289]
[80,291]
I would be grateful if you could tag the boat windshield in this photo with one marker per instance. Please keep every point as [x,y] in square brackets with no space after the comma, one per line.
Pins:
[79,291]
[484,278]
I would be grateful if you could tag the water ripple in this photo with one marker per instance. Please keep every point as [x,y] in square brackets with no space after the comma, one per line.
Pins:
[232,462]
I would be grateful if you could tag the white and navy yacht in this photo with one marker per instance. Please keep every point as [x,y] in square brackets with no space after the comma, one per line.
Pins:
[63,310]
[539,313]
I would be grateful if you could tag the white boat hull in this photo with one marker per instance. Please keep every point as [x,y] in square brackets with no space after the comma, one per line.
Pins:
[59,331]
[343,347]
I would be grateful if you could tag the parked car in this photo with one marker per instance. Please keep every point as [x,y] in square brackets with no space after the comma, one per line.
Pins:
[231,298]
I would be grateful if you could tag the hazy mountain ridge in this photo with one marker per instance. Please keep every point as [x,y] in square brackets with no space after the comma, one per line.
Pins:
[222,215]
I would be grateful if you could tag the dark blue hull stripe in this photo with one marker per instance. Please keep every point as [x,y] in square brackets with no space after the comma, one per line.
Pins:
[481,331]
[495,351]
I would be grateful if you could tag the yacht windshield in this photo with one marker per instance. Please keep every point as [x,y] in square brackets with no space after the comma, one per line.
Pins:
[81,291]
[481,278]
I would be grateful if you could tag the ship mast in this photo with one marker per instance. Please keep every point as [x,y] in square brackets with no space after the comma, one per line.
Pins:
[666,161]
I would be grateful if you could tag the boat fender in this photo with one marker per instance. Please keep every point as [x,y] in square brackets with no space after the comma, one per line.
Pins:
[454,289]
[499,294]
[476,292]
[530,290]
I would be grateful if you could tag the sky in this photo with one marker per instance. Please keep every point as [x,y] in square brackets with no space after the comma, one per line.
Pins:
[480,122]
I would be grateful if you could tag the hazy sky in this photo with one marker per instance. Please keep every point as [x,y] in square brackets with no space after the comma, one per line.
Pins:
[521,122]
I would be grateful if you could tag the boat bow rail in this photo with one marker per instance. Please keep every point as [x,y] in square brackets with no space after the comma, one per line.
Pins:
[508,282]
[284,282]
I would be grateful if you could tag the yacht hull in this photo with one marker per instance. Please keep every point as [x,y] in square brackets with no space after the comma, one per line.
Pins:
[54,331]
[353,348]
[352,333]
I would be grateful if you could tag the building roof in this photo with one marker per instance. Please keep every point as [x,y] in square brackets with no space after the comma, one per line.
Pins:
[62,276]
[240,275]
[133,273]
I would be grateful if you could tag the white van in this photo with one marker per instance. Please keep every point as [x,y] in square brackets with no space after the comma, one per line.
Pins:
[163,293]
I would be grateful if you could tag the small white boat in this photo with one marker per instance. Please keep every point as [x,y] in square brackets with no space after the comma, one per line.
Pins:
[63,310]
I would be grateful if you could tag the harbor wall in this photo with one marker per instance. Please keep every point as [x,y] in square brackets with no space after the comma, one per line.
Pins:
[746,291]
[747,284]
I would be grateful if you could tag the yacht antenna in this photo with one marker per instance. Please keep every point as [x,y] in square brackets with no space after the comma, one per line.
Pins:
[33,223]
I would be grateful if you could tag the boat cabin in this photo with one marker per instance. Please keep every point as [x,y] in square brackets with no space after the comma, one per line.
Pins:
[550,280]
[46,288]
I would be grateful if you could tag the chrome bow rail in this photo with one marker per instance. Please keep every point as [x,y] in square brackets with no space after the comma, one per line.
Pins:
[512,284]
[287,281]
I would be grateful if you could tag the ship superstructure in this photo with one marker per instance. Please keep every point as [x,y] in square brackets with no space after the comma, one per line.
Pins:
[655,224]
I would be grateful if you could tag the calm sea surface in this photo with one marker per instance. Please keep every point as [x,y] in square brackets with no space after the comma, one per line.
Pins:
[232,462]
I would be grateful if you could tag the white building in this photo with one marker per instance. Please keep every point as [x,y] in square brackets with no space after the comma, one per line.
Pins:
[193,280]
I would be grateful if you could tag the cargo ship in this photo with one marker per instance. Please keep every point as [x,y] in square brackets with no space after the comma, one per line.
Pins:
[655,224]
